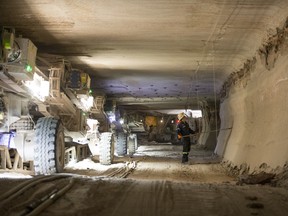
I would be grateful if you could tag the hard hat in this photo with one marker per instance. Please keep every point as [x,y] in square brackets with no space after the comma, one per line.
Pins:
[181,115]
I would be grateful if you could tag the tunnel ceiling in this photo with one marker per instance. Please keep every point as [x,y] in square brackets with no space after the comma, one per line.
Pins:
[153,54]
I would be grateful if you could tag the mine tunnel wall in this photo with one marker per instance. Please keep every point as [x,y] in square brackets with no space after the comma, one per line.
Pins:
[209,125]
[254,112]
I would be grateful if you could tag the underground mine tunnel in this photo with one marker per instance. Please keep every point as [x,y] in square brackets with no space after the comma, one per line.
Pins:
[90,92]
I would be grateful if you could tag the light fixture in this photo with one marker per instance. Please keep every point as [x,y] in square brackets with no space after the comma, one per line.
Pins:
[28,68]
[121,121]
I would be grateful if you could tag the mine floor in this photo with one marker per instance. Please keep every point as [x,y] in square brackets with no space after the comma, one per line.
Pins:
[152,182]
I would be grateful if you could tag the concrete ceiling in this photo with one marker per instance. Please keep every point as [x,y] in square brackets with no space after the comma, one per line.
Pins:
[155,54]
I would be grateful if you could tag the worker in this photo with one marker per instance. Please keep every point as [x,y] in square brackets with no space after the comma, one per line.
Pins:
[183,133]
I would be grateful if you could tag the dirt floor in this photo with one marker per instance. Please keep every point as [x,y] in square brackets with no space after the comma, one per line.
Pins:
[152,182]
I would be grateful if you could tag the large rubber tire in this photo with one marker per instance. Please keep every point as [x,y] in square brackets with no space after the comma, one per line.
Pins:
[131,145]
[121,144]
[49,147]
[106,148]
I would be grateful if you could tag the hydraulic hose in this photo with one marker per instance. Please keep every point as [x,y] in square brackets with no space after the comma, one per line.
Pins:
[51,199]
[15,192]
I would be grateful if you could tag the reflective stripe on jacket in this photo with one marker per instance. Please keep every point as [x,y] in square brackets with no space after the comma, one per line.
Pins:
[183,129]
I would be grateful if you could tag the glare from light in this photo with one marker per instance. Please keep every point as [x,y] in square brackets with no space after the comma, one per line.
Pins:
[28,68]
[87,102]
[112,118]
[93,124]
[38,86]
[195,113]
[121,121]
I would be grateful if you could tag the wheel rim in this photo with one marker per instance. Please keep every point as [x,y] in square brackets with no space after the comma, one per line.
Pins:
[60,149]
[112,148]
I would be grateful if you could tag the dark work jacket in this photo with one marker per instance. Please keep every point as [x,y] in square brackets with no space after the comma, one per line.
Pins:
[183,129]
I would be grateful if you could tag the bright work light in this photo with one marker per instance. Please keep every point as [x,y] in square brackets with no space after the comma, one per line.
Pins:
[28,68]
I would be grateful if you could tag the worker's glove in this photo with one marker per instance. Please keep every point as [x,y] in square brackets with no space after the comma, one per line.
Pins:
[179,137]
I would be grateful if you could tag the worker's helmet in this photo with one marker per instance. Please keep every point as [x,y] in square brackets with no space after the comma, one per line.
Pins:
[181,115]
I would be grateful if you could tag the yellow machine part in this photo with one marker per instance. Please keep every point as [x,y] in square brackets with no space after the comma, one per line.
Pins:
[151,120]
[85,80]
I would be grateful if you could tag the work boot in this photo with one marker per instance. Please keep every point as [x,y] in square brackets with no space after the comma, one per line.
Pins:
[185,158]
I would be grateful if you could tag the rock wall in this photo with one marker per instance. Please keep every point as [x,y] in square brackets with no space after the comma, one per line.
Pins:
[254,109]
[209,125]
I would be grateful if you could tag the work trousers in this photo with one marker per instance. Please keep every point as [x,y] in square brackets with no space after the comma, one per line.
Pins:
[186,145]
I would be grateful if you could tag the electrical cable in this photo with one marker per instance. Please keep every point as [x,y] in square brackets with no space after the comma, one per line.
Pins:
[51,199]
[18,190]
[214,86]
[203,54]
[195,73]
